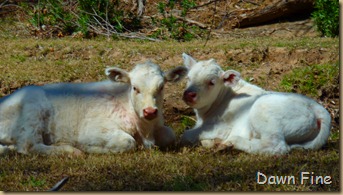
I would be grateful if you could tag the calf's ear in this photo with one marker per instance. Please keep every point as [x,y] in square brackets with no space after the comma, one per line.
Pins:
[117,75]
[188,61]
[176,74]
[230,77]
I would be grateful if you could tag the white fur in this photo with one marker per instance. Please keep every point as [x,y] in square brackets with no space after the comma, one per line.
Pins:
[238,114]
[99,117]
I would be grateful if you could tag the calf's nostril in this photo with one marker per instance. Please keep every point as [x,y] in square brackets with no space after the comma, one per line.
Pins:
[192,94]
[189,96]
[150,112]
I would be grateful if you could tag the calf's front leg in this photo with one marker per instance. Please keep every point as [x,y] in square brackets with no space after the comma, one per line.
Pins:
[114,141]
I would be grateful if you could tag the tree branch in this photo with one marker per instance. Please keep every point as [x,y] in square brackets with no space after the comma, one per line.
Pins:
[190,21]
[205,4]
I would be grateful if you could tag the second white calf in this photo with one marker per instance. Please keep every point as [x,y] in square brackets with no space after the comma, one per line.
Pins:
[232,112]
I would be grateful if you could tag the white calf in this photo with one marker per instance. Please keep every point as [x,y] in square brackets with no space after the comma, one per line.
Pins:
[100,117]
[232,112]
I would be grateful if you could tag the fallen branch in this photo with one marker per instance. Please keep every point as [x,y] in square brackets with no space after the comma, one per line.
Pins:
[248,1]
[190,21]
[205,4]
[3,3]
[283,8]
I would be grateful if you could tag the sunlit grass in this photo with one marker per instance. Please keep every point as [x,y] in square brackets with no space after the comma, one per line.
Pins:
[309,80]
[35,61]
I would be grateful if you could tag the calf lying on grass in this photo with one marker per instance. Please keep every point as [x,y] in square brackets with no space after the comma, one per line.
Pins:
[101,117]
[232,112]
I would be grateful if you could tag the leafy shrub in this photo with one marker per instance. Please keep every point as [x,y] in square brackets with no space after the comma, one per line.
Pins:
[85,16]
[172,27]
[103,11]
[51,16]
[326,17]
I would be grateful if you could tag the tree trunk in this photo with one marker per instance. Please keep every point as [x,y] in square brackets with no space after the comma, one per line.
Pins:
[283,8]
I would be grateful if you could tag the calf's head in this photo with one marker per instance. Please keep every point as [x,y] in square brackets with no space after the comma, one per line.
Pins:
[147,82]
[205,80]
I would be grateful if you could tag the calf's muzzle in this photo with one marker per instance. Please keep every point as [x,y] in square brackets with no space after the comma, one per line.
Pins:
[150,113]
[189,96]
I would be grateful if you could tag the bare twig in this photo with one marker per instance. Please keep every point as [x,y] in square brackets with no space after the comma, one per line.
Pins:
[11,5]
[205,4]
[3,3]
[209,32]
[107,19]
[38,22]
[103,27]
[190,21]
[141,7]
[248,1]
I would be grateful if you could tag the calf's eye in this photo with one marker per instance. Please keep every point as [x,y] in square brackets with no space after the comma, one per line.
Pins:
[212,82]
[136,89]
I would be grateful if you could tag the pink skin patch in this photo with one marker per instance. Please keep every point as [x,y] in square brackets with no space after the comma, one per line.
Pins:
[129,119]
[319,124]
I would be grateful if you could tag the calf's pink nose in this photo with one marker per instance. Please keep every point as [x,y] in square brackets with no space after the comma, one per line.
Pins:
[189,96]
[150,113]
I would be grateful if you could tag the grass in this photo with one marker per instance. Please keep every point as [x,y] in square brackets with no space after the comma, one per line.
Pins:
[309,80]
[188,170]
[27,61]
[64,60]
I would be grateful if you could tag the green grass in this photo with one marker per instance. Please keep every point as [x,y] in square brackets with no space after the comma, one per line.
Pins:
[35,61]
[309,80]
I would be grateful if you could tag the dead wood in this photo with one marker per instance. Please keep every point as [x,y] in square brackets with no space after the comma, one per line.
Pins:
[193,22]
[282,8]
